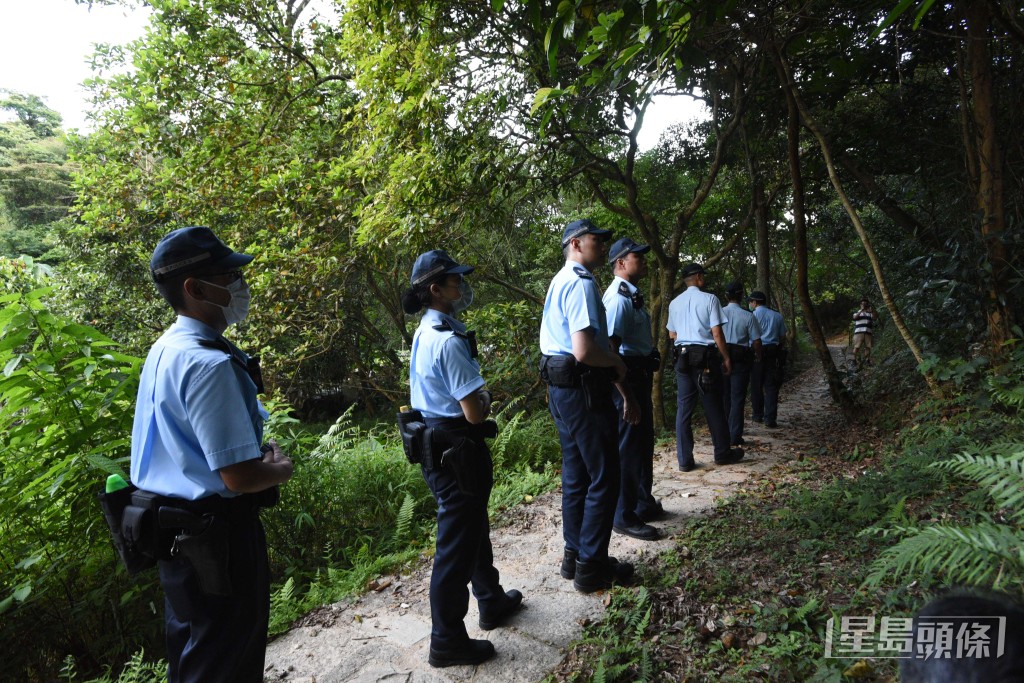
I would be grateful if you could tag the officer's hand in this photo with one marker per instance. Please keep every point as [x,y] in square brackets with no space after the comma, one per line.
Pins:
[726,366]
[630,411]
[275,456]
[486,400]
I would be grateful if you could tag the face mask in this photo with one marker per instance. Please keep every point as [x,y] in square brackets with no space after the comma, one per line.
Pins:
[465,299]
[238,306]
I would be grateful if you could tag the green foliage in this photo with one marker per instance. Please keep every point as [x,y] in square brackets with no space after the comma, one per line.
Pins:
[136,670]
[65,416]
[623,639]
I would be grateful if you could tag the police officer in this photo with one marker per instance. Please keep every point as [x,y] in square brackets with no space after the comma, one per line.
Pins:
[629,327]
[695,321]
[447,388]
[764,378]
[743,337]
[579,367]
[196,442]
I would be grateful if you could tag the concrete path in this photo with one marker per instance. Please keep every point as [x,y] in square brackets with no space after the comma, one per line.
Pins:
[384,635]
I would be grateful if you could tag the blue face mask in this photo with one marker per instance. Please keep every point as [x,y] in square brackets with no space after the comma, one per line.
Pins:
[238,306]
[465,299]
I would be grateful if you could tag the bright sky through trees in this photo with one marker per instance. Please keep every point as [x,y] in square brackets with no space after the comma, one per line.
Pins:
[45,47]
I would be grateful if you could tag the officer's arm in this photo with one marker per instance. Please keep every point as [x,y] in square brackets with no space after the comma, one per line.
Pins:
[723,349]
[758,350]
[477,406]
[253,476]
[586,351]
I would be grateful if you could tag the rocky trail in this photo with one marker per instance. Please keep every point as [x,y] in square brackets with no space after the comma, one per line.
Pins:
[384,634]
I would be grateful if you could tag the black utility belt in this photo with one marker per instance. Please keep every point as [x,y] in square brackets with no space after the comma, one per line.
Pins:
[645,364]
[561,371]
[740,353]
[688,356]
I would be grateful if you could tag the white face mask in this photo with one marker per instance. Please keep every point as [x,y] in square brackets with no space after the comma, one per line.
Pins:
[238,306]
[465,299]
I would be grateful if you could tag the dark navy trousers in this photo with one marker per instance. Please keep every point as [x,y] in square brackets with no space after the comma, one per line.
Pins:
[764,390]
[212,638]
[734,397]
[686,400]
[462,555]
[590,471]
[636,454]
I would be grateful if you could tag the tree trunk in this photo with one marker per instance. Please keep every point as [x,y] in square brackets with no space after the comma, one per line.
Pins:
[989,198]
[835,381]
[876,266]
[760,208]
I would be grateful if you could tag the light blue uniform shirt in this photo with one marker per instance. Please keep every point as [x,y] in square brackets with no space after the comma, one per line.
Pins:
[742,328]
[692,314]
[573,303]
[196,413]
[773,328]
[441,370]
[631,325]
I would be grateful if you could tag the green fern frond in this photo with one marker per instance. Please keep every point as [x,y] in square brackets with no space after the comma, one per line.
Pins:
[1011,397]
[403,520]
[981,554]
[1001,475]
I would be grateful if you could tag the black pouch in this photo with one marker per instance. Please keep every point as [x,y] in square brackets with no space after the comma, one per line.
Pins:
[204,540]
[692,356]
[114,505]
[597,389]
[467,464]
[412,428]
[653,361]
[139,526]
[559,371]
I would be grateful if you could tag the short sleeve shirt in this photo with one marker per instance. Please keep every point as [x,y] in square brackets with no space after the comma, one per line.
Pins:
[862,322]
[742,328]
[573,303]
[773,328]
[630,324]
[692,314]
[442,370]
[196,413]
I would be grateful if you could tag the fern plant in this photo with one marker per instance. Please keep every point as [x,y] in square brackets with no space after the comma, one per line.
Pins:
[989,553]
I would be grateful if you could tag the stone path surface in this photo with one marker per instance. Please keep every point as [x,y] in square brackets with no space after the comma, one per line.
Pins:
[384,635]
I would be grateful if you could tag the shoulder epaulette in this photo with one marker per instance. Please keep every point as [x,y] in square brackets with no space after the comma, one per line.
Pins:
[624,290]
[469,336]
[635,297]
[251,364]
[582,273]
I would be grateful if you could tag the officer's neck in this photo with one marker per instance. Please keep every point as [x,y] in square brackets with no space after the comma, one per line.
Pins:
[631,279]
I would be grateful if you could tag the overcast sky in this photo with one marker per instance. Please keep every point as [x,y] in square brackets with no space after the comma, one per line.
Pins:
[45,46]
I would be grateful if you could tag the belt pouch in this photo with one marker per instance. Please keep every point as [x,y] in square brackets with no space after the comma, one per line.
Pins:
[204,540]
[139,526]
[560,371]
[114,505]
[411,427]
[695,356]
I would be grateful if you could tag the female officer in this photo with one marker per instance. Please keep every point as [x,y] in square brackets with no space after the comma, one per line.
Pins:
[446,387]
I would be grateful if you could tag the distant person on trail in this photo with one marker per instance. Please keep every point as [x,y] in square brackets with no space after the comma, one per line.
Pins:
[863,324]
[629,327]
[196,453]
[452,400]
[695,321]
[766,376]
[743,337]
[579,368]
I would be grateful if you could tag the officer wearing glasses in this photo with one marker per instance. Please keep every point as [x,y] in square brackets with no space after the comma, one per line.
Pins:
[196,443]
[447,389]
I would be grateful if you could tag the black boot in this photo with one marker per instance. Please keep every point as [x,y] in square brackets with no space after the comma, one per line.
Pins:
[493,618]
[595,576]
[568,570]
[472,653]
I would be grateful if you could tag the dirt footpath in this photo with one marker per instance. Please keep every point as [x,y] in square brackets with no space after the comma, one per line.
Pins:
[385,634]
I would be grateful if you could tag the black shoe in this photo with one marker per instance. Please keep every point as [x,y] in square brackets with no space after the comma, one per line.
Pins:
[688,467]
[656,514]
[645,532]
[472,653]
[513,601]
[731,458]
[757,419]
[595,576]
[568,569]
[771,425]
[739,441]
